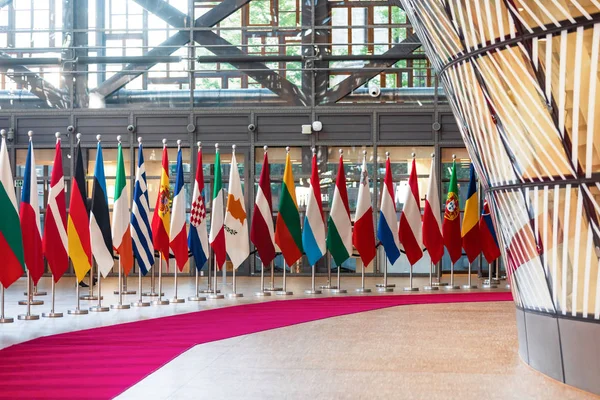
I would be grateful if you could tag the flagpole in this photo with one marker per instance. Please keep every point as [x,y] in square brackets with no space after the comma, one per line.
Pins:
[452,286]
[313,289]
[91,295]
[362,288]
[52,313]
[120,305]
[36,293]
[77,310]
[196,296]
[214,295]
[410,287]
[338,289]
[234,292]
[99,307]
[3,319]
[28,316]
[490,284]
[430,287]
[208,289]
[175,299]
[159,301]
[30,300]
[469,285]
[284,291]
[140,302]
[262,292]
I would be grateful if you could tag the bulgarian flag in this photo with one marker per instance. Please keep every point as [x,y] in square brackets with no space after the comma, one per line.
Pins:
[217,228]
[451,224]
[339,226]
[11,242]
[162,210]
[121,232]
[288,234]
[363,236]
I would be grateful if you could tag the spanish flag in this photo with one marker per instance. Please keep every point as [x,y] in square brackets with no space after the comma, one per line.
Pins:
[161,220]
[470,226]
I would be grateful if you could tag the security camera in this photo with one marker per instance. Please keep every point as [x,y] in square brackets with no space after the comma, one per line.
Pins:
[130,128]
[70,129]
[317,126]
[374,91]
[251,127]
[10,136]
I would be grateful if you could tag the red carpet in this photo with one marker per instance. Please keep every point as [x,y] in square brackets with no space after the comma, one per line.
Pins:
[101,363]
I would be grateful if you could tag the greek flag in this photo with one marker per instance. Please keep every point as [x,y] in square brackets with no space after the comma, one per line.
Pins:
[140,222]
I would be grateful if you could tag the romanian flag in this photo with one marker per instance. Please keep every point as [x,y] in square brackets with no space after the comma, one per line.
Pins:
[288,234]
[470,227]
[78,226]
[451,224]
[161,219]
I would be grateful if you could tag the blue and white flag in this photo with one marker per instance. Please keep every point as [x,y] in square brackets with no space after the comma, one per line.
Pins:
[313,234]
[141,234]
[388,220]
[198,235]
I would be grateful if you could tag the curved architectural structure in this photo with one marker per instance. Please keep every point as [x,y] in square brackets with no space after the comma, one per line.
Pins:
[522,78]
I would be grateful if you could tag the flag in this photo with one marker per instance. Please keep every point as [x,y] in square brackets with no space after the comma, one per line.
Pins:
[78,226]
[470,225]
[451,224]
[339,227]
[288,234]
[198,235]
[432,225]
[489,241]
[409,232]
[178,232]
[121,229]
[217,231]
[11,240]
[55,241]
[388,221]
[262,232]
[236,222]
[100,235]
[313,234]
[363,235]
[162,210]
[141,234]
[30,219]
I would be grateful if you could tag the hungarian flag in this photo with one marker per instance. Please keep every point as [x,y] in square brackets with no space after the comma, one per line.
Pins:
[313,234]
[30,219]
[487,233]
[339,227]
[141,234]
[121,231]
[55,241]
[198,235]
[388,221]
[11,240]
[78,226]
[100,235]
[217,229]
[470,226]
[363,236]
[178,232]
[236,221]
[451,224]
[162,211]
[409,232]
[432,224]
[262,232]
[288,234]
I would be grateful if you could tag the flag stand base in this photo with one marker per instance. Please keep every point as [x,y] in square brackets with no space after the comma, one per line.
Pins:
[99,309]
[31,302]
[451,287]
[89,297]
[7,320]
[429,288]
[284,293]
[273,289]
[215,296]
[209,291]
[28,317]
[488,286]
[328,287]
[176,300]
[310,291]
[363,290]
[160,302]
[125,292]
[383,289]
[440,283]
[339,291]
[140,304]
[234,295]
[36,293]
[196,298]
[152,294]
[77,311]
[411,289]
[469,287]
[262,294]
[120,306]
[52,315]
[389,285]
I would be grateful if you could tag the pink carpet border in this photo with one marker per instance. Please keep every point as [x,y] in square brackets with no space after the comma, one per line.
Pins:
[101,363]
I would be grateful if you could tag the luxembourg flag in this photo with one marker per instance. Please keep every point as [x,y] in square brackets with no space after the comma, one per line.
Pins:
[313,234]
[30,219]
[410,220]
[198,235]
[388,221]
[178,232]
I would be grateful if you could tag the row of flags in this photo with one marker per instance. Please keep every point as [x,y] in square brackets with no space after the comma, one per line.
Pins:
[88,231]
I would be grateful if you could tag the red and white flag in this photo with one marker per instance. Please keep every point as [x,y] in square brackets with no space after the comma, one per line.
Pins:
[262,232]
[432,222]
[363,235]
[55,241]
[409,231]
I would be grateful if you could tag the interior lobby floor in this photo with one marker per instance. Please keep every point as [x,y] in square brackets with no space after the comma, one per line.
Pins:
[434,351]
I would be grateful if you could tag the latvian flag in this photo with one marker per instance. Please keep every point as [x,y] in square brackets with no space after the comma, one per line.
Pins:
[262,232]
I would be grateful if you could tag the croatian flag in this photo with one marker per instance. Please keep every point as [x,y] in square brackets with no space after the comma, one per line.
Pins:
[178,242]
[141,233]
[313,234]
[30,219]
[410,220]
[388,221]
[198,235]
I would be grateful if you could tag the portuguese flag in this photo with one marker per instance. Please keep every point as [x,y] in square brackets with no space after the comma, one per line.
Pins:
[451,224]
[11,241]
[288,234]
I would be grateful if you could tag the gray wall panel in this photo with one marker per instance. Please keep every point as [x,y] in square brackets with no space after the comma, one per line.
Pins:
[345,127]
[522,332]
[5,123]
[42,127]
[405,126]
[544,345]
[281,127]
[450,130]
[231,128]
[109,126]
[154,129]
[581,353]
